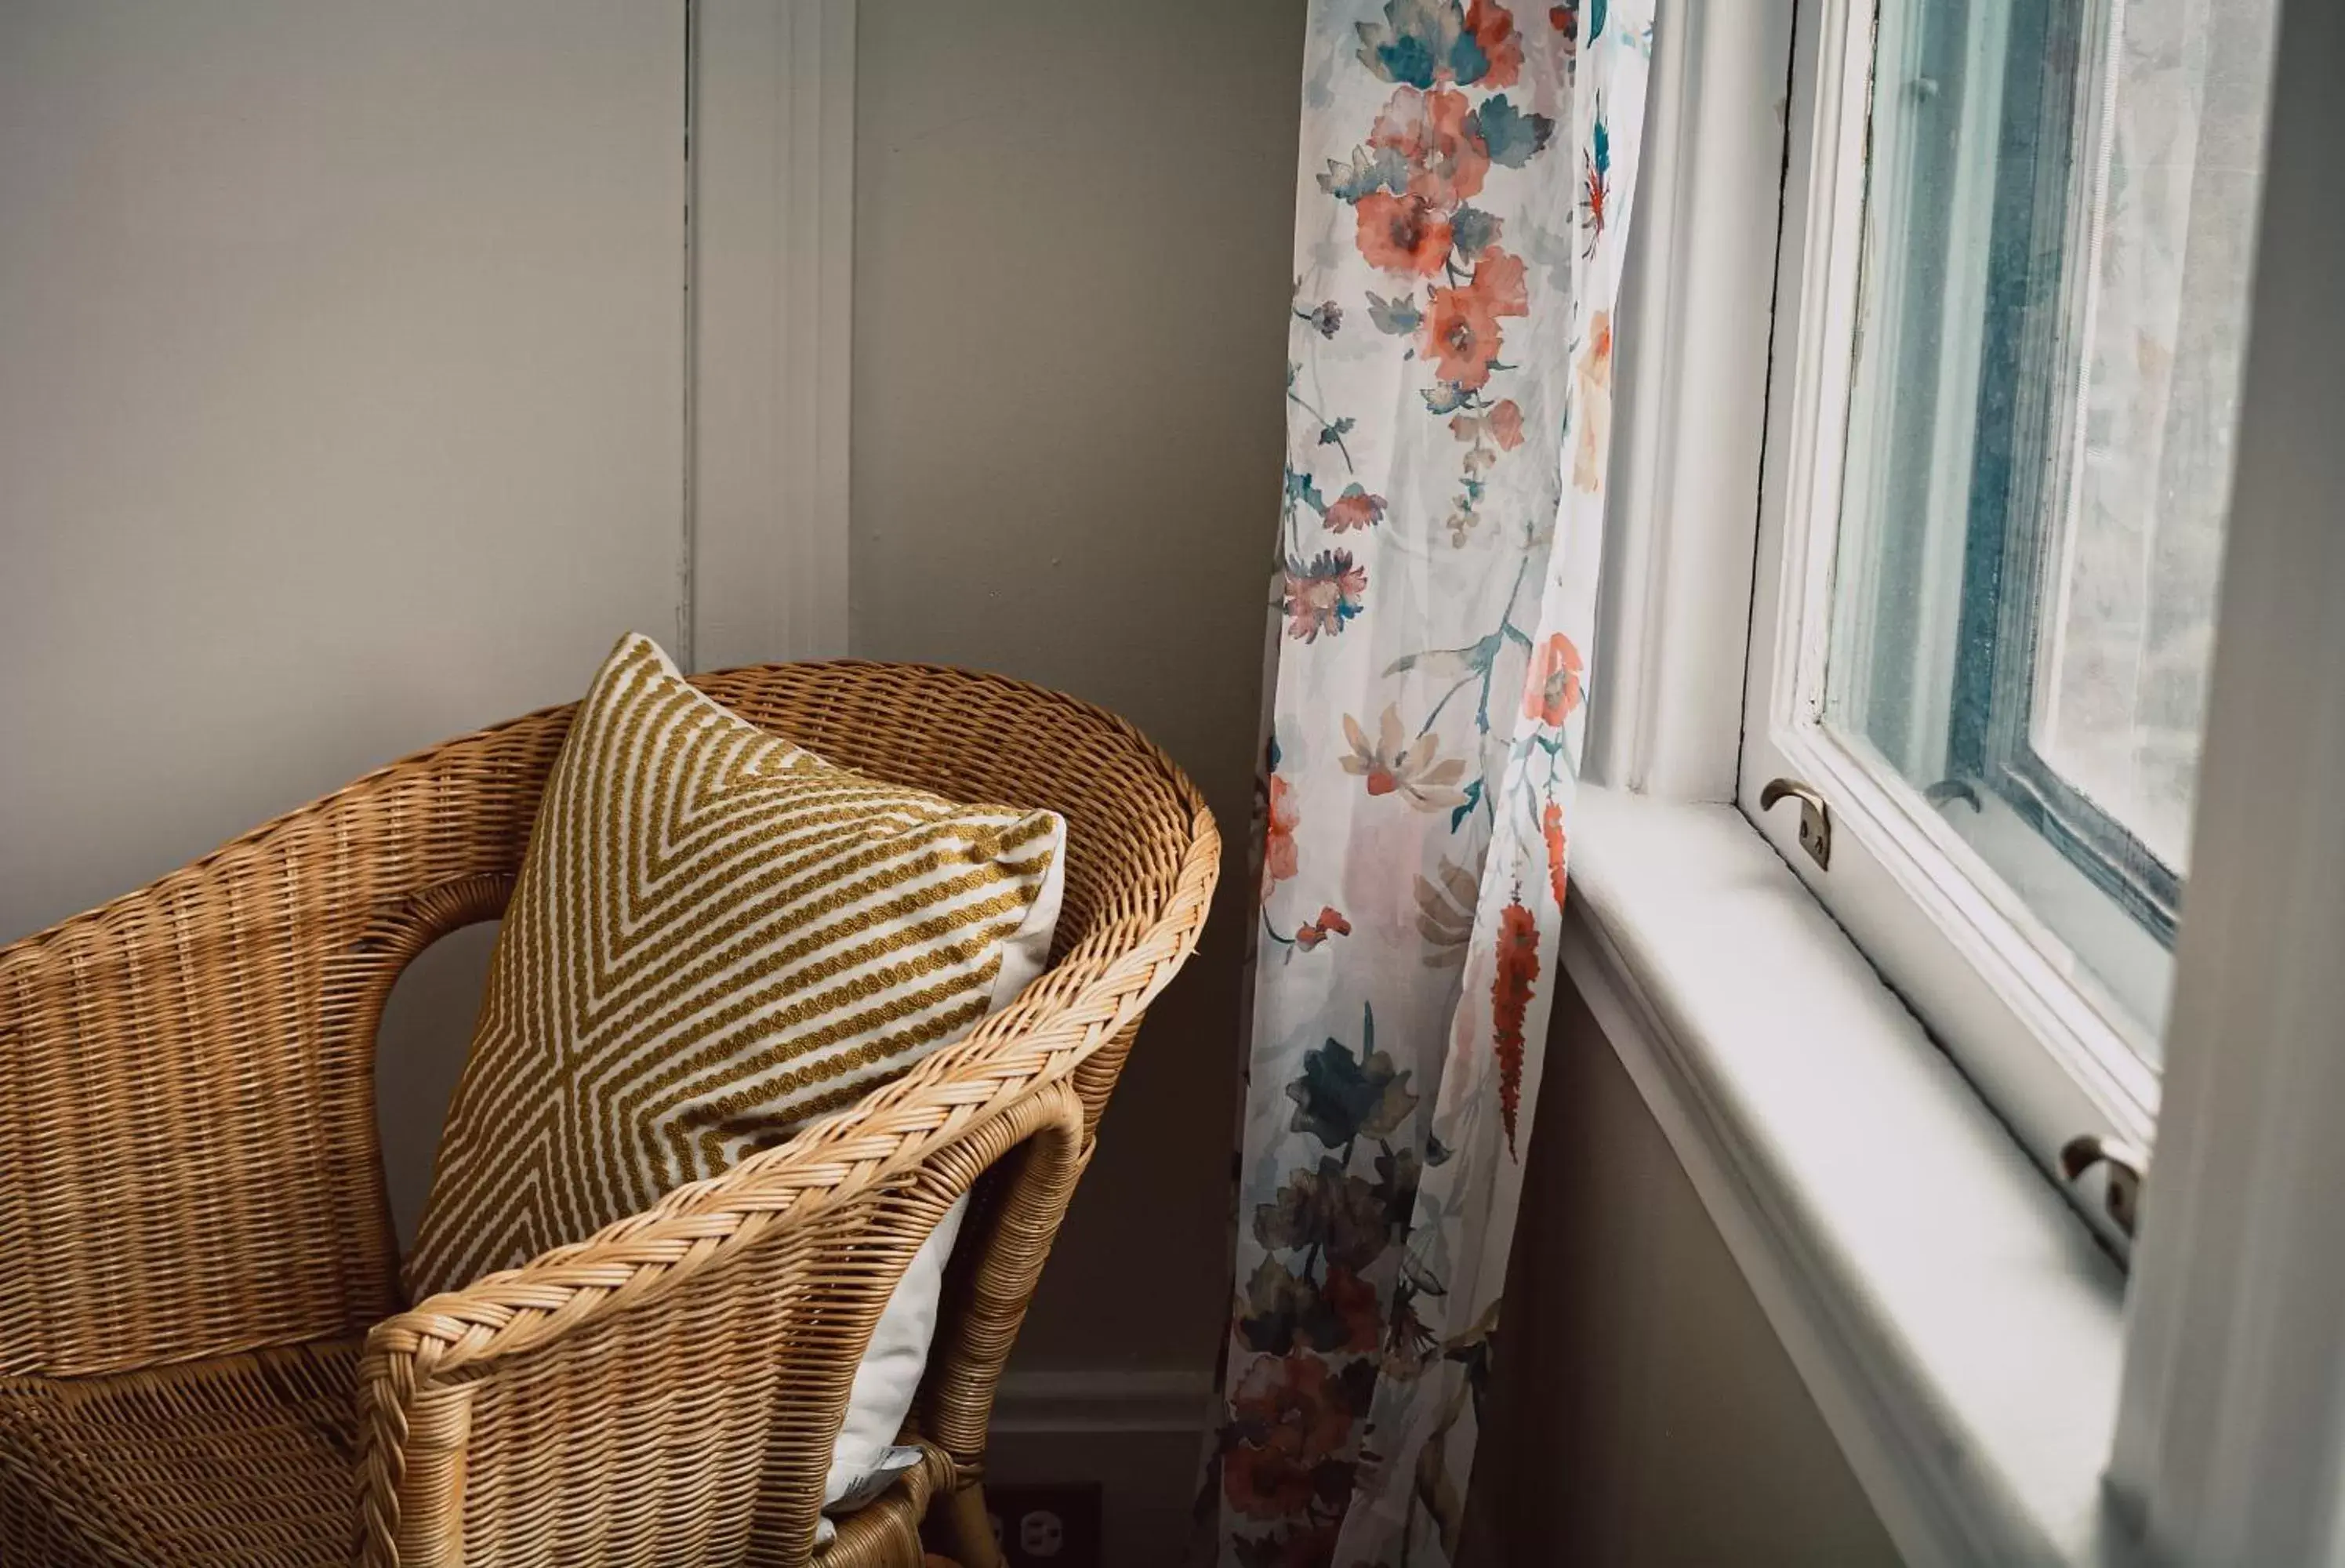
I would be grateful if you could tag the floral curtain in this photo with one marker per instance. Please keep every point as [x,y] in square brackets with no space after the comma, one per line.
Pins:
[1461,211]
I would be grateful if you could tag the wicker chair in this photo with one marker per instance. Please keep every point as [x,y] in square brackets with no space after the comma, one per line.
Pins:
[203,1357]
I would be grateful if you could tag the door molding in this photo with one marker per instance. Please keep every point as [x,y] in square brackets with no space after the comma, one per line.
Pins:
[770,264]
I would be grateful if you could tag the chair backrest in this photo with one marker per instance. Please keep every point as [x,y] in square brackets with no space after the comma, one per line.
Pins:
[669,1390]
[234,1002]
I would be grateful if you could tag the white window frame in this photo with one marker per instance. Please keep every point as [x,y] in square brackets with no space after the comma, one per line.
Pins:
[2001,1389]
[1915,898]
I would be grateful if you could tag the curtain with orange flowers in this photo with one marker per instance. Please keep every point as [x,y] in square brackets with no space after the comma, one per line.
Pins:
[1461,212]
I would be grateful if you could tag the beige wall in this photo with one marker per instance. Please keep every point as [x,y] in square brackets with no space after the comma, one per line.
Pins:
[1072,229]
[1647,1415]
[341,393]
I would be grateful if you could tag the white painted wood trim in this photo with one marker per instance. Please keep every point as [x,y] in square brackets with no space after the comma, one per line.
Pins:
[2232,1439]
[1957,1328]
[1697,311]
[1103,1400]
[773,261]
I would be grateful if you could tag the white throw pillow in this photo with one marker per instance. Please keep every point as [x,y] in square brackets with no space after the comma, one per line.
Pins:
[866,1458]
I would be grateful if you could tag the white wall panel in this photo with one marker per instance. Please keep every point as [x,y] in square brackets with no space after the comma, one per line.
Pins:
[341,398]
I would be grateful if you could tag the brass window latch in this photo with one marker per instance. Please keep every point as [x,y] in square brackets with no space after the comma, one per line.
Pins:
[1815,817]
[2122,1195]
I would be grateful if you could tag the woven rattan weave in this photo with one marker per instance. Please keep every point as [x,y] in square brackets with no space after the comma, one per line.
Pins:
[203,1357]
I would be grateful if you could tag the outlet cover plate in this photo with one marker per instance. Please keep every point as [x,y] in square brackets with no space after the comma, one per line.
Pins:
[1046,1526]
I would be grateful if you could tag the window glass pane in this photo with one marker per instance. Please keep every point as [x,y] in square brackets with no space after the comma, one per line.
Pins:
[2130,608]
[2057,242]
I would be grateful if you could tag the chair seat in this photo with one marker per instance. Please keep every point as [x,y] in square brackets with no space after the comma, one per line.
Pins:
[248,1460]
[245,1458]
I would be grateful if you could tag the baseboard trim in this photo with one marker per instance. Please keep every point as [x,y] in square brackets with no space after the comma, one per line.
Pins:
[1104,1400]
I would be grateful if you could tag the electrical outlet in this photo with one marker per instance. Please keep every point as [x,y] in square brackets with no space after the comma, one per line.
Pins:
[1047,1526]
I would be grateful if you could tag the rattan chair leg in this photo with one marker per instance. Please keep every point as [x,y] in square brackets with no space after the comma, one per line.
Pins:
[969,1530]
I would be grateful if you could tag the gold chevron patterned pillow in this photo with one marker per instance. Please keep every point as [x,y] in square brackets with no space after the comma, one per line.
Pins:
[715,937]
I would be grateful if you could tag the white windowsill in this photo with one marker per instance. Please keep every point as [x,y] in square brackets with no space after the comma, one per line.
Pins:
[1959,1331]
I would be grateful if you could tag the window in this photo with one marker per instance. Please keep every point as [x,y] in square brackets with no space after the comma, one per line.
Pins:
[2011,313]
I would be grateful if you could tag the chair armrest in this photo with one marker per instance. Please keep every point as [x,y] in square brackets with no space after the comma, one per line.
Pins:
[695,1359]
[189,1162]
